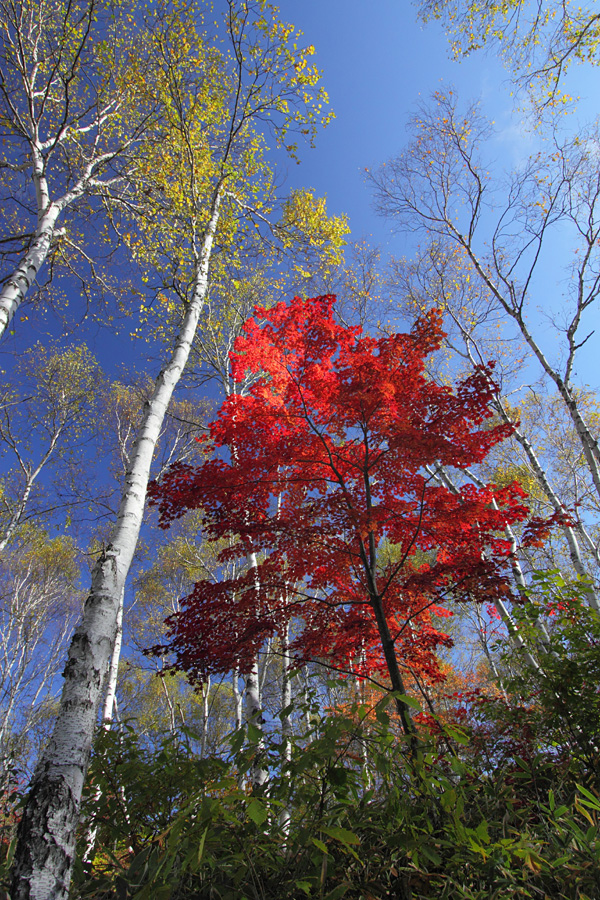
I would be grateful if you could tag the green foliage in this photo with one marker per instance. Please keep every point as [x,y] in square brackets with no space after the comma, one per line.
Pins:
[561,697]
[347,816]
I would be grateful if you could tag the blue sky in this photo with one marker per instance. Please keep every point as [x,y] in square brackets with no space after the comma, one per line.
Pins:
[378,63]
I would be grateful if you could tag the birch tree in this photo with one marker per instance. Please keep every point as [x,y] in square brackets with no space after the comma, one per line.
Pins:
[43,423]
[212,105]
[538,40]
[544,453]
[36,576]
[485,245]
[73,111]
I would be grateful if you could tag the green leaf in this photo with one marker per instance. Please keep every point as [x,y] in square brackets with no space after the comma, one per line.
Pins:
[458,766]
[338,891]
[430,854]
[320,845]
[456,734]
[341,834]
[237,740]
[592,801]
[201,845]
[338,776]
[382,716]
[448,799]
[257,811]
[254,734]
[11,852]
[408,701]
[304,886]
[482,832]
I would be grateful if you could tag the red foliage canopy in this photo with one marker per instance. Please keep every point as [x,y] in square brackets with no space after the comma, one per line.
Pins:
[320,468]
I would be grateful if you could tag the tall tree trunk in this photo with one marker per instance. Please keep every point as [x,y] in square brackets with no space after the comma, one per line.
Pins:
[205,717]
[368,555]
[286,721]
[515,636]
[110,695]
[391,661]
[237,700]
[109,714]
[254,716]
[18,284]
[46,838]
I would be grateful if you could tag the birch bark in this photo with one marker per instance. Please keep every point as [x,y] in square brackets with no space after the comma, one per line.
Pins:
[254,711]
[286,722]
[18,284]
[46,839]
[110,697]
[237,700]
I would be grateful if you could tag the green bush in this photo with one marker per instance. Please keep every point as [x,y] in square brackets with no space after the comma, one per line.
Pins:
[365,821]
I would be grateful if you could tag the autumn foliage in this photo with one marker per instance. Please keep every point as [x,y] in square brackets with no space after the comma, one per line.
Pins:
[325,469]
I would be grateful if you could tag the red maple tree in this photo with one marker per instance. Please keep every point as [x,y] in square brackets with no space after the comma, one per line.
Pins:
[324,468]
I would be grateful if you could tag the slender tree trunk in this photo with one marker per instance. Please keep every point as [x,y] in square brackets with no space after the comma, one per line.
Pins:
[110,697]
[286,721]
[237,700]
[360,700]
[389,653]
[589,445]
[170,706]
[511,626]
[307,720]
[569,533]
[109,714]
[254,713]
[254,716]
[369,561]
[18,284]
[46,838]
[205,715]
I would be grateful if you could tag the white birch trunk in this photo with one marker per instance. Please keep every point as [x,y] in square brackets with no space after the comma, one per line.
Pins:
[21,506]
[110,697]
[237,700]
[286,722]
[205,715]
[569,533]
[170,707]
[511,626]
[109,712]
[486,651]
[16,287]
[254,715]
[589,445]
[360,699]
[46,839]
[307,717]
